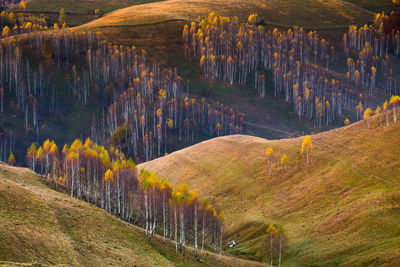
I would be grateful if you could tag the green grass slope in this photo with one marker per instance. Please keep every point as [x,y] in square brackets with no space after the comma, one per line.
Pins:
[342,209]
[42,226]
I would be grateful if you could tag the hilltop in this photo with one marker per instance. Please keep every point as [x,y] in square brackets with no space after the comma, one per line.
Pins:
[342,209]
[42,226]
[315,14]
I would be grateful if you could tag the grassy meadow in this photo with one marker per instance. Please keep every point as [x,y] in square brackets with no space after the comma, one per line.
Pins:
[40,226]
[341,209]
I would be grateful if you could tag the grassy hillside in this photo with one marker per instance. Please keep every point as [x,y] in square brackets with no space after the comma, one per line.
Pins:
[343,208]
[77,11]
[373,5]
[306,13]
[39,225]
[157,28]
[163,42]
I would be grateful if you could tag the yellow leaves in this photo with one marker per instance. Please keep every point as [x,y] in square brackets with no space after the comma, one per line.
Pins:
[165,186]
[381,28]
[239,45]
[47,145]
[195,195]
[385,106]
[378,16]
[39,154]
[378,110]
[192,27]
[359,107]
[367,113]
[183,188]
[11,18]
[170,123]
[357,74]
[54,150]
[284,159]
[269,151]
[252,19]
[76,145]
[307,94]
[72,156]
[154,181]
[6,31]
[11,160]
[307,143]
[203,58]
[109,176]
[117,166]
[163,93]
[394,100]
[159,113]
[346,121]
[373,70]
[88,143]
[22,5]
[28,26]
[62,17]
[65,149]
[32,150]
[230,61]
[271,229]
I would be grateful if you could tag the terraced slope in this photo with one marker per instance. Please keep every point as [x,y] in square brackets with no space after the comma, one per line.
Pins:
[343,208]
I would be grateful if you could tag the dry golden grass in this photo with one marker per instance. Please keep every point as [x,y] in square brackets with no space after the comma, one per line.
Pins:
[308,13]
[40,227]
[342,209]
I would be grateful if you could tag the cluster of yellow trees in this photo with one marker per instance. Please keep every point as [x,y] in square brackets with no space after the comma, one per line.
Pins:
[236,51]
[11,24]
[178,214]
[273,156]
[386,106]
[376,34]
[107,179]
[276,242]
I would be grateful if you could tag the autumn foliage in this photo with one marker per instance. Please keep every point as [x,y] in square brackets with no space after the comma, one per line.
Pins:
[107,179]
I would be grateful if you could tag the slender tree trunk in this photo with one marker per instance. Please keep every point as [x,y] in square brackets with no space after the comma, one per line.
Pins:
[202,235]
[280,251]
[195,229]
[146,214]
[271,250]
[176,230]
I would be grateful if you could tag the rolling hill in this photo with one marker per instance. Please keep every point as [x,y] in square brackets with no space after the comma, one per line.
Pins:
[342,209]
[310,13]
[40,226]
[157,28]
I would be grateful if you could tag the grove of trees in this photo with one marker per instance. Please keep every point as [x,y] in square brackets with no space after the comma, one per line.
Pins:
[148,107]
[107,179]
[297,62]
